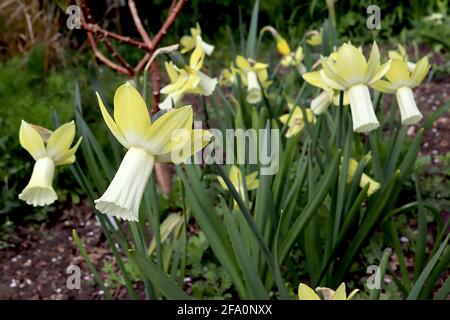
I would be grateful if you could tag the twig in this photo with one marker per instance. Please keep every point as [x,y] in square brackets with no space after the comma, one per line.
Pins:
[139,26]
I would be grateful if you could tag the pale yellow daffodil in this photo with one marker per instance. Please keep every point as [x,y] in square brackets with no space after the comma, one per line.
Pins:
[49,149]
[187,80]
[188,42]
[237,179]
[314,37]
[306,293]
[295,120]
[374,186]
[349,71]
[169,139]
[327,97]
[252,74]
[401,81]
[228,77]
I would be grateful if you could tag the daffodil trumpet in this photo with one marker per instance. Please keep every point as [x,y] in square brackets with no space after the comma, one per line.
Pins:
[169,139]
[400,80]
[349,71]
[49,149]
[253,74]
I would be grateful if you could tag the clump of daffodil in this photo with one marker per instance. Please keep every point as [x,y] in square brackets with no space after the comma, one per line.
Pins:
[374,186]
[295,120]
[49,149]
[169,139]
[306,293]
[252,74]
[289,59]
[188,43]
[188,79]
[349,71]
[327,97]
[314,37]
[237,179]
[401,81]
[401,54]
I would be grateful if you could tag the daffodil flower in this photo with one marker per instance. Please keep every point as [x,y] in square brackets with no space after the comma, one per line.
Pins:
[349,71]
[295,120]
[187,80]
[314,37]
[401,81]
[306,293]
[327,97]
[49,149]
[252,74]
[237,179]
[169,139]
[374,186]
[401,54]
[188,42]
[228,76]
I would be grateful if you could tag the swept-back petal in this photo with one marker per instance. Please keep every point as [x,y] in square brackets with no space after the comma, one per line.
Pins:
[420,71]
[373,63]
[398,72]
[306,293]
[197,56]
[314,78]
[242,63]
[60,140]
[69,156]
[340,293]
[115,130]
[131,114]
[160,133]
[179,152]
[350,64]
[252,181]
[383,86]
[381,71]
[31,141]
[334,82]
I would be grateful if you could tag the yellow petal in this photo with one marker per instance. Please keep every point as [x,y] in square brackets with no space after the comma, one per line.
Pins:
[306,293]
[187,44]
[31,141]
[340,293]
[299,55]
[382,70]
[283,46]
[314,78]
[352,294]
[383,86]
[332,80]
[350,64]
[197,56]
[171,71]
[69,156]
[373,64]
[242,63]
[60,140]
[420,71]
[179,153]
[111,124]
[398,72]
[159,136]
[235,175]
[131,114]
[252,181]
